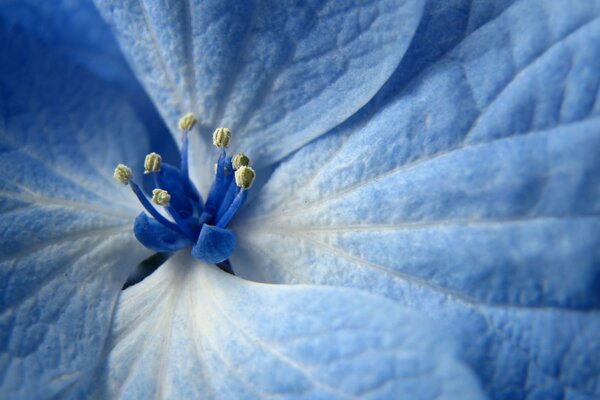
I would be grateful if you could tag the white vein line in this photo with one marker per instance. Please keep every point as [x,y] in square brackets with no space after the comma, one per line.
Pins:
[410,165]
[188,45]
[304,370]
[423,224]
[111,231]
[45,201]
[161,59]
[424,283]
[522,70]
[24,152]
[101,173]
[215,348]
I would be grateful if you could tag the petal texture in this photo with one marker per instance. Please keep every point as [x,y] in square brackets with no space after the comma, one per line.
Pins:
[66,225]
[193,331]
[475,194]
[278,74]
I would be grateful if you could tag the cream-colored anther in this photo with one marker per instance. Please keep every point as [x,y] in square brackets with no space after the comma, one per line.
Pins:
[123,174]
[244,177]
[221,137]
[161,197]
[240,160]
[152,163]
[187,122]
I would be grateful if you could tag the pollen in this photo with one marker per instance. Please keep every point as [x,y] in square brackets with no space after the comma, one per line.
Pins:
[240,160]
[187,122]
[161,197]
[221,137]
[152,163]
[123,174]
[244,177]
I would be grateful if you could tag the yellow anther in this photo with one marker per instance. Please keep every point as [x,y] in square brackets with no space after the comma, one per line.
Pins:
[152,163]
[187,122]
[240,160]
[244,177]
[123,174]
[161,197]
[221,137]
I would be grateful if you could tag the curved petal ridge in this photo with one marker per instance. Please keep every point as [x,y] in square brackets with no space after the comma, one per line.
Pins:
[472,197]
[67,244]
[194,331]
[263,68]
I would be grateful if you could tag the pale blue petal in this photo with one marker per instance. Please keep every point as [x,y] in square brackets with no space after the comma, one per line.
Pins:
[474,197]
[277,73]
[191,331]
[66,236]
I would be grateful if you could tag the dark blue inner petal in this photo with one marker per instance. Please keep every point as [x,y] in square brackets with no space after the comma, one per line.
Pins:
[170,179]
[214,244]
[158,237]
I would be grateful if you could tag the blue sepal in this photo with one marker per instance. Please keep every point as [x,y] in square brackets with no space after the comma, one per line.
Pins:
[158,237]
[214,244]
[171,180]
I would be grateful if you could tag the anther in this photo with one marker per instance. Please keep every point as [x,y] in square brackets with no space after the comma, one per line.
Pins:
[152,163]
[123,174]
[240,160]
[161,197]
[187,122]
[244,177]
[221,137]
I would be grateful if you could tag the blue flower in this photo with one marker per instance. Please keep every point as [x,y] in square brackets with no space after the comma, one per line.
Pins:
[411,158]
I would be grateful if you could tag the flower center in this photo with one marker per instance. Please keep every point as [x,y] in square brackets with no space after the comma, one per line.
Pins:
[189,221]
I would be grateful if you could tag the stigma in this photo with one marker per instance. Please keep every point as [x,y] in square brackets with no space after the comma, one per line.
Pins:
[186,220]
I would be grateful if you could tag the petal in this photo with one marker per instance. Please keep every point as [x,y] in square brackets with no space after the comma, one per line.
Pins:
[475,194]
[193,331]
[158,237]
[214,244]
[265,70]
[66,241]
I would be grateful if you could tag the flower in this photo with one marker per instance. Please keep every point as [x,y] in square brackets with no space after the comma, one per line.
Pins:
[442,157]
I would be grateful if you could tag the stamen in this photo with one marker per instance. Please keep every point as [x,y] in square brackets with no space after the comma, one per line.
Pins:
[152,163]
[244,177]
[221,137]
[240,160]
[148,206]
[233,208]
[161,197]
[123,174]
[187,122]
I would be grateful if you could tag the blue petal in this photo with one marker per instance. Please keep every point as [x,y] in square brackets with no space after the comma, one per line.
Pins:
[191,331]
[158,237]
[73,28]
[475,194]
[214,244]
[66,245]
[277,74]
